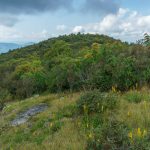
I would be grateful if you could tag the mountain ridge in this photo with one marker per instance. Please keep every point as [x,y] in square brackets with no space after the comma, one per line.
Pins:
[6,46]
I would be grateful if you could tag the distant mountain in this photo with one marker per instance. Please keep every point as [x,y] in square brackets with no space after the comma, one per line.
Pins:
[27,44]
[5,47]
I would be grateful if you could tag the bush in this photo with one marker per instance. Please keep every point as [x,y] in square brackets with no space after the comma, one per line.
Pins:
[111,135]
[56,126]
[68,111]
[134,96]
[140,139]
[95,101]
[1,105]
[4,96]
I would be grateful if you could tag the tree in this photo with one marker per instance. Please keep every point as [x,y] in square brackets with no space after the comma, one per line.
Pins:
[146,39]
[28,78]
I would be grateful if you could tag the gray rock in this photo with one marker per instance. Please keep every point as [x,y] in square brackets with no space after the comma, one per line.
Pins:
[23,117]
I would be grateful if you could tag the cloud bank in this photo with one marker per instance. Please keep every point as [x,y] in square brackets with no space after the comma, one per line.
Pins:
[125,24]
[100,6]
[8,20]
[32,6]
[11,9]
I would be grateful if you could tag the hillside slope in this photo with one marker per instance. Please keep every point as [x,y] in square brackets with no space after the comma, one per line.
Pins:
[100,97]
[52,129]
[35,64]
[71,122]
[73,62]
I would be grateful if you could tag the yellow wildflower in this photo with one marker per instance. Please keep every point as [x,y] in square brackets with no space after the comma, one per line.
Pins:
[85,108]
[34,133]
[145,104]
[139,133]
[51,124]
[136,85]
[144,132]
[87,125]
[90,135]
[79,123]
[129,113]
[88,55]
[102,108]
[113,88]
[130,135]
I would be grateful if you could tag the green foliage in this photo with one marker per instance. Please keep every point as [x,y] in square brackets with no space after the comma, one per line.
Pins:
[95,101]
[110,135]
[105,130]
[4,96]
[68,111]
[134,96]
[1,104]
[126,75]
[102,129]
[140,143]
[56,126]
[75,62]
[27,79]
[64,75]
[146,40]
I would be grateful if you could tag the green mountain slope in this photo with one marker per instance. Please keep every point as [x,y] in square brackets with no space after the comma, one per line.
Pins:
[73,62]
[96,90]
[22,63]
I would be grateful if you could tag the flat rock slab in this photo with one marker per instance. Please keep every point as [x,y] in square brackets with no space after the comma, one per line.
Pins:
[24,116]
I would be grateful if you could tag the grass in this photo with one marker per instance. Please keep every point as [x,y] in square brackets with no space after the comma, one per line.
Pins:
[127,126]
[51,129]
[133,113]
[57,128]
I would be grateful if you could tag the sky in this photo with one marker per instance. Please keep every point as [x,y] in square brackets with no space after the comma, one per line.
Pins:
[36,20]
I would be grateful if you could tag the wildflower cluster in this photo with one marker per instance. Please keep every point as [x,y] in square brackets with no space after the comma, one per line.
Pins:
[138,133]
[129,114]
[114,89]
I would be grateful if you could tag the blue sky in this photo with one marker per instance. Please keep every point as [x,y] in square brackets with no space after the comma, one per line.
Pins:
[36,20]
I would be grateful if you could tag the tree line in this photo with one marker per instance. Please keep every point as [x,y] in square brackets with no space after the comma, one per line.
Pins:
[74,62]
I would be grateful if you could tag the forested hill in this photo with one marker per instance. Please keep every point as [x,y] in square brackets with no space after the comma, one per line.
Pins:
[76,42]
[73,62]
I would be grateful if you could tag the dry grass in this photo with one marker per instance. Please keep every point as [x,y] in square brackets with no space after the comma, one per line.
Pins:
[135,114]
[67,137]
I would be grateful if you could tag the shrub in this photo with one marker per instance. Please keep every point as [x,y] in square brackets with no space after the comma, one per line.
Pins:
[111,135]
[134,96]
[56,126]
[95,101]
[1,104]
[4,96]
[139,139]
[68,111]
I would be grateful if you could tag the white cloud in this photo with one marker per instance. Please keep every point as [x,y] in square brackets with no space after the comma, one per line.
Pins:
[38,36]
[7,33]
[61,27]
[11,34]
[126,24]
[77,29]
